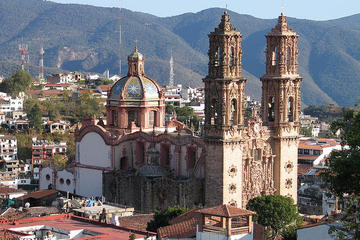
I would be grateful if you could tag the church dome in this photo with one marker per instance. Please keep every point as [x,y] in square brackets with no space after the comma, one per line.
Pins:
[136,85]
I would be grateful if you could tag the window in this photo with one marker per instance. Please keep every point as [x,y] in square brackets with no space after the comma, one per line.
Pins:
[47,177]
[133,117]
[233,112]
[152,118]
[274,57]
[61,181]
[271,109]
[217,57]
[68,182]
[213,112]
[232,57]
[291,109]
[257,154]
[306,151]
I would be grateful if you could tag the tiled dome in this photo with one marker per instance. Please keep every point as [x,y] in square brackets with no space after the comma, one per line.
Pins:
[135,87]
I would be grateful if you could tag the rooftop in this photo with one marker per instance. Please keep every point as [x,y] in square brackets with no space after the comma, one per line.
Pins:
[68,223]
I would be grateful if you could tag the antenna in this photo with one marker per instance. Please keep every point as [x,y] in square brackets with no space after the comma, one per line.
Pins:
[120,32]
[23,49]
[41,63]
[136,41]
[171,77]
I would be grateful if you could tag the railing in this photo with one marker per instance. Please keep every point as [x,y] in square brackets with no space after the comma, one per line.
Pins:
[209,228]
[240,230]
[234,231]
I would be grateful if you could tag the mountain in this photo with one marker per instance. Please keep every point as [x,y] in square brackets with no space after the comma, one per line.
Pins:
[86,38]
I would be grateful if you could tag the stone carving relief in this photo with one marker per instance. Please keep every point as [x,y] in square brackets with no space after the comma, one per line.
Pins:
[289,166]
[232,171]
[258,161]
[232,188]
[288,183]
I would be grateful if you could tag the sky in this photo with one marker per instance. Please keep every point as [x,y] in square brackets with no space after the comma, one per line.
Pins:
[305,9]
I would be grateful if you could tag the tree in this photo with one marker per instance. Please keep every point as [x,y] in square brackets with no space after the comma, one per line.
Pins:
[162,218]
[275,212]
[306,131]
[187,116]
[34,116]
[19,81]
[342,176]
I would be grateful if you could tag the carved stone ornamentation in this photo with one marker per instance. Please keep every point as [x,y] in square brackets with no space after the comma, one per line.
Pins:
[232,171]
[232,188]
[288,183]
[289,166]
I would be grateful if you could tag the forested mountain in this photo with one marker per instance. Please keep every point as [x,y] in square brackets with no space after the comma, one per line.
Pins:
[86,38]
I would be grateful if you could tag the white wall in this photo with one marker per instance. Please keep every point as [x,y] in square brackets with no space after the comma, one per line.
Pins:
[316,233]
[43,182]
[67,177]
[88,182]
[94,151]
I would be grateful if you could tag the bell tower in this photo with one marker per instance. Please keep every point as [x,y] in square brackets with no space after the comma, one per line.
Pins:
[224,115]
[281,102]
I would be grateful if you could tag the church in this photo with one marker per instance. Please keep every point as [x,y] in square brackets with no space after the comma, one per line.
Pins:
[140,160]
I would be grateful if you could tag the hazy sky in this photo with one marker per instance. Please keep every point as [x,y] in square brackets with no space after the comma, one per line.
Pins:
[309,9]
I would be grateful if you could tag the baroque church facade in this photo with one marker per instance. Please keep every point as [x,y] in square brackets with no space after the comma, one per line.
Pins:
[137,159]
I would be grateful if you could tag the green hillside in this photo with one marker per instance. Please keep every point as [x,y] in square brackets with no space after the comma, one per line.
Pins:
[86,38]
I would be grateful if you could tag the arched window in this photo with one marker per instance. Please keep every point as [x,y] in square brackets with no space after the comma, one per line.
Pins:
[133,117]
[271,109]
[217,57]
[213,111]
[152,118]
[288,57]
[291,109]
[232,57]
[233,113]
[274,57]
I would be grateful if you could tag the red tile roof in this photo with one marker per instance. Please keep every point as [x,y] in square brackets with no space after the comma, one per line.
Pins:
[38,194]
[8,190]
[193,213]
[137,221]
[104,87]
[304,168]
[226,211]
[57,85]
[185,229]
[70,222]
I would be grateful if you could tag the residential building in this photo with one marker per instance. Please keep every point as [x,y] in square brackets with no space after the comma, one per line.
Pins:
[44,150]
[8,148]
